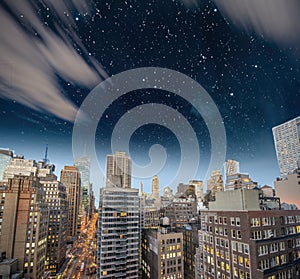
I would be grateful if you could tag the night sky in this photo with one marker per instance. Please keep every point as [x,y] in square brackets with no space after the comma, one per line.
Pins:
[252,78]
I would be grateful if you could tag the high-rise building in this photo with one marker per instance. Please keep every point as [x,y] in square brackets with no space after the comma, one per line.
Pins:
[56,198]
[181,210]
[24,219]
[287,145]
[241,239]
[288,189]
[118,170]
[5,157]
[156,190]
[70,177]
[162,253]
[83,165]
[215,182]
[231,167]
[239,181]
[118,233]
[199,188]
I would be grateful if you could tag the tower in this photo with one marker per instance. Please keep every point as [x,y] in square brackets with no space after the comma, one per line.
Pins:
[287,144]
[118,170]
[70,177]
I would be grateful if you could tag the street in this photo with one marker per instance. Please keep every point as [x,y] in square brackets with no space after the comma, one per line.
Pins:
[82,263]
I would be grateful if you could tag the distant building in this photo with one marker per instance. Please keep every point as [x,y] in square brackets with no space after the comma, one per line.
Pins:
[168,193]
[288,189]
[83,165]
[215,182]
[199,188]
[118,233]
[287,145]
[70,177]
[56,198]
[181,188]
[231,167]
[24,224]
[246,241]
[162,253]
[9,269]
[181,211]
[239,181]
[118,170]
[156,190]
[5,157]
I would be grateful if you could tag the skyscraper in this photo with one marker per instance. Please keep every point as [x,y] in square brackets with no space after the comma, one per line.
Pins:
[156,190]
[118,170]
[56,198]
[119,222]
[83,165]
[287,145]
[5,157]
[118,233]
[215,182]
[24,224]
[231,167]
[70,177]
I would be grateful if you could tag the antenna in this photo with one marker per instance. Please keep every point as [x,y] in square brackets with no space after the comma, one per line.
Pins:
[45,160]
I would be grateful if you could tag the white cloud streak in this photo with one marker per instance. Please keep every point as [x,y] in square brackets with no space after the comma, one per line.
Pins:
[276,20]
[29,64]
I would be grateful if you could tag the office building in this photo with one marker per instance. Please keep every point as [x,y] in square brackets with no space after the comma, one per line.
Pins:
[118,233]
[162,253]
[231,167]
[70,177]
[83,165]
[181,211]
[24,224]
[199,188]
[215,182]
[156,190]
[118,170]
[287,144]
[288,189]
[5,157]
[246,241]
[56,198]
[239,181]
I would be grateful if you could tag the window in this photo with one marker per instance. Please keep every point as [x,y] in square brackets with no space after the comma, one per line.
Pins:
[237,221]
[232,221]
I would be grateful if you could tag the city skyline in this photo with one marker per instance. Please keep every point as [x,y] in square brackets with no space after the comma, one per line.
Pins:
[251,76]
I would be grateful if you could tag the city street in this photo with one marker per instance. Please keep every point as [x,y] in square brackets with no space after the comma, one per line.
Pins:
[82,264]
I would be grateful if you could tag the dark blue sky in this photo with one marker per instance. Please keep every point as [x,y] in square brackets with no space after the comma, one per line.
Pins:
[253,81]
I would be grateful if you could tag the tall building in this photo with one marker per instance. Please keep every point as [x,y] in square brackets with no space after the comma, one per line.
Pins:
[156,190]
[288,189]
[239,181]
[162,253]
[56,198]
[83,165]
[118,233]
[199,188]
[215,182]
[231,167]
[70,177]
[118,170]
[242,240]
[5,157]
[24,224]
[287,145]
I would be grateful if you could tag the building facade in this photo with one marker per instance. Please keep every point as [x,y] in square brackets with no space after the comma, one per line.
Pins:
[70,177]
[5,157]
[162,254]
[24,219]
[118,170]
[56,198]
[118,233]
[287,144]
[231,167]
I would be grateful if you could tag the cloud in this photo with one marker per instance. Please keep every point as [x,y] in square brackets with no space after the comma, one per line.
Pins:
[32,55]
[276,20]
